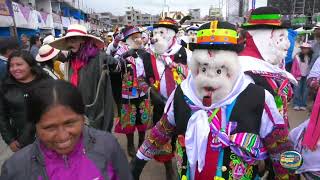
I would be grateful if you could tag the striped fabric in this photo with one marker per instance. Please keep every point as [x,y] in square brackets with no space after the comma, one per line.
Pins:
[216,36]
[245,145]
[268,19]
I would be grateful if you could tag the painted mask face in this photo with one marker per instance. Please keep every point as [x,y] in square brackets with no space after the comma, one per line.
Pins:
[163,39]
[135,41]
[273,45]
[214,72]
[281,42]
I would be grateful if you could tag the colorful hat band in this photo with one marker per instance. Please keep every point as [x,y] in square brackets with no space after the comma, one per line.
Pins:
[217,36]
[76,30]
[47,54]
[268,19]
[167,22]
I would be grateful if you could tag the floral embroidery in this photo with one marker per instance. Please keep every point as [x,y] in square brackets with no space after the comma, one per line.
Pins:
[239,169]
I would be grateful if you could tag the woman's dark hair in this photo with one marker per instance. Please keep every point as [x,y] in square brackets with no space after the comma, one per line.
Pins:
[301,56]
[28,58]
[33,40]
[49,93]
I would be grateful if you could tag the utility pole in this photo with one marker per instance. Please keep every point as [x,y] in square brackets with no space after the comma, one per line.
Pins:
[15,31]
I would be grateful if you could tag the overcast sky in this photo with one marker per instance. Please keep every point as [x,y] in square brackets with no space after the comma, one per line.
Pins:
[118,7]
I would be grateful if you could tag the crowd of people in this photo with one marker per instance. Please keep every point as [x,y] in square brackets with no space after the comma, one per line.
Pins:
[214,96]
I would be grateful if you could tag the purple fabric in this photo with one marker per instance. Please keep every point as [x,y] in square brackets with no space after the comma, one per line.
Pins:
[75,166]
[111,172]
[87,51]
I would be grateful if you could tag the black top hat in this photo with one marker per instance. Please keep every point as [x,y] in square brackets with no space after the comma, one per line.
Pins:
[265,18]
[167,23]
[217,35]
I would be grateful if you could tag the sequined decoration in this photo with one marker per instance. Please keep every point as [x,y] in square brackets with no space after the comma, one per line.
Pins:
[128,115]
[146,110]
[239,169]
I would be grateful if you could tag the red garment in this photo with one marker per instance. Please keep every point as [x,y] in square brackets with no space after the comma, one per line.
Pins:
[251,48]
[210,167]
[76,65]
[312,134]
[170,83]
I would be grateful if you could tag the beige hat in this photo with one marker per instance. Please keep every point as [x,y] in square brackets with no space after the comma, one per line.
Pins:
[46,53]
[75,30]
[47,40]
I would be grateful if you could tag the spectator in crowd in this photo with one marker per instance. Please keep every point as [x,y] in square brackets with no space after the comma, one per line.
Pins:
[65,148]
[25,42]
[24,73]
[35,44]
[313,79]
[87,68]
[316,44]
[7,46]
[300,70]
[48,57]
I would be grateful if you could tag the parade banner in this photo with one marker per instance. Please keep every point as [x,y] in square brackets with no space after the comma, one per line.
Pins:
[74,21]
[65,21]
[25,17]
[57,23]
[5,8]
[45,20]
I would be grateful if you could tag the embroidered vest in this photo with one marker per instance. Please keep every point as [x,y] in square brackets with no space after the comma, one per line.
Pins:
[246,114]
[179,57]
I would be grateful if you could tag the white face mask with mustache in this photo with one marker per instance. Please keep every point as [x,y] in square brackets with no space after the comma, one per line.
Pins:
[214,73]
[163,38]
[134,42]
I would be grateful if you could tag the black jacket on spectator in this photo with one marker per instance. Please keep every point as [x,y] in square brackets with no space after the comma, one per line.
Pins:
[13,117]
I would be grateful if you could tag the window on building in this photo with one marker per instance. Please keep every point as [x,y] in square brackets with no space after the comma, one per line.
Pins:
[129,17]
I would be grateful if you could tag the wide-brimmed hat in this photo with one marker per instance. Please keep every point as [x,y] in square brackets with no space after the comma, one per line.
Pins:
[305,45]
[128,31]
[218,35]
[76,30]
[265,18]
[317,26]
[46,53]
[48,39]
[167,23]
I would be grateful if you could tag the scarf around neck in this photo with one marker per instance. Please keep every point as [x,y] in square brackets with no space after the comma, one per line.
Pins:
[198,128]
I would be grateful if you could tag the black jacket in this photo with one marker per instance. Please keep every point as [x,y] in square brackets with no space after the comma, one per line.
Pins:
[13,110]
[96,96]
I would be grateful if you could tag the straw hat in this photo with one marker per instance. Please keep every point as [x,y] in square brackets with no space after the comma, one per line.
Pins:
[76,30]
[48,39]
[46,53]
[305,45]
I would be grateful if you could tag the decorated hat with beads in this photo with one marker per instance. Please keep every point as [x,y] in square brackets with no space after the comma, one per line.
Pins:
[167,23]
[218,35]
[265,18]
